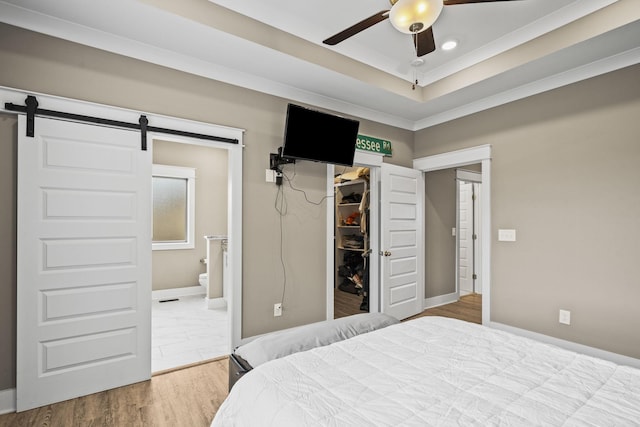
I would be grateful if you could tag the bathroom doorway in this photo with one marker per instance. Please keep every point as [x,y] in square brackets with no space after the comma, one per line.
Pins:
[190,322]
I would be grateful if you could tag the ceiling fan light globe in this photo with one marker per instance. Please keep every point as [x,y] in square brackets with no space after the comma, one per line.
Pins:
[405,14]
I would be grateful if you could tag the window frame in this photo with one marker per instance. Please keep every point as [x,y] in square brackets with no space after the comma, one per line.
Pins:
[188,174]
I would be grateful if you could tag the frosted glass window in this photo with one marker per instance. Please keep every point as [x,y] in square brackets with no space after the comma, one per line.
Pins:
[169,209]
[173,207]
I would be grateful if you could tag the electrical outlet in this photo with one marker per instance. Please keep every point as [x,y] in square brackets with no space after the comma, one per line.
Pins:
[277,310]
[565,317]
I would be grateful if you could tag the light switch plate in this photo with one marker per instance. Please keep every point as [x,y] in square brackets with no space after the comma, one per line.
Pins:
[565,317]
[507,235]
[270,175]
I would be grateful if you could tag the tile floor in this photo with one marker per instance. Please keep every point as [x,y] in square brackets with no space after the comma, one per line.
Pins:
[185,332]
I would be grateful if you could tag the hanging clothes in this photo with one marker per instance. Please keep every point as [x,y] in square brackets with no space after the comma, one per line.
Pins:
[364,214]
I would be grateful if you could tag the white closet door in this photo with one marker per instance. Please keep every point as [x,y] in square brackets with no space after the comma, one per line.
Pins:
[402,241]
[84,261]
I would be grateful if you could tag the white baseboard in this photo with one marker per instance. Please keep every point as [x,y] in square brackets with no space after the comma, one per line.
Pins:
[569,345]
[178,292]
[439,300]
[7,401]
[213,303]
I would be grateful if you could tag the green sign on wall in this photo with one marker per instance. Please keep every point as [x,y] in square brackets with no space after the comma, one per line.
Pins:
[374,145]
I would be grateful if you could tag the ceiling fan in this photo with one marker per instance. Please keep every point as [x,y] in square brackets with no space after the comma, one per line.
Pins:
[413,17]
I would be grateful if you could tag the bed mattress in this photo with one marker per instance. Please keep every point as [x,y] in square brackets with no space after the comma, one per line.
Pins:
[435,371]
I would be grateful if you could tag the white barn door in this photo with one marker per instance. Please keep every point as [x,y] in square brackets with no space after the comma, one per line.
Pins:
[84,261]
[401,222]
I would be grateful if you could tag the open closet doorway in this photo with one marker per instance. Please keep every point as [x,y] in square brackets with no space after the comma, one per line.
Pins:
[395,238]
[352,241]
[353,236]
[189,261]
[468,235]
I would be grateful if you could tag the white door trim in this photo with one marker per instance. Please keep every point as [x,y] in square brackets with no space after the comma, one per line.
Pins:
[452,159]
[73,106]
[468,156]
[331,243]
[470,176]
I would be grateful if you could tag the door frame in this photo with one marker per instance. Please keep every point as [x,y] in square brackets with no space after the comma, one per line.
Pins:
[235,171]
[373,162]
[234,197]
[468,156]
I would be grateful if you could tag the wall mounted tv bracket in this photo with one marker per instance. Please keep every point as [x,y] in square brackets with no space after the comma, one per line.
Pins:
[276,161]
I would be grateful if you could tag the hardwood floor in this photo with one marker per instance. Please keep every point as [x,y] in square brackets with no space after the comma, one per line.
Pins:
[187,397]
[346,304]
[468,308]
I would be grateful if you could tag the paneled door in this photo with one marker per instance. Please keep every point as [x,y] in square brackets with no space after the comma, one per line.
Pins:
[84,261]
[468,232]
[465,238]
[402,241]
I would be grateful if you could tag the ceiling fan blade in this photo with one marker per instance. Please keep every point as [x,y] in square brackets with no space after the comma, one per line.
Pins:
[355,29]
[424,42]
[452,2]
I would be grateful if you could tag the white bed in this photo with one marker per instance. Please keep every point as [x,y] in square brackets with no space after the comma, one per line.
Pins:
[435,371]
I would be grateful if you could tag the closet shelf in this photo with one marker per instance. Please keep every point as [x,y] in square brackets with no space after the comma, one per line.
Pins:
[351,249]
[348,183]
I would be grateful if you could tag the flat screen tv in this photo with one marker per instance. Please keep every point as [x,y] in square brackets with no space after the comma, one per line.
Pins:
[320,137]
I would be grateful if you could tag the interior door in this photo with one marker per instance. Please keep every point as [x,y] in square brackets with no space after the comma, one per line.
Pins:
[84,261]
[477,242]
[401,241]
[465,238]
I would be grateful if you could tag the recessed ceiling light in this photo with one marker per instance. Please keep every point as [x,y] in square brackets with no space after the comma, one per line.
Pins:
[449,44]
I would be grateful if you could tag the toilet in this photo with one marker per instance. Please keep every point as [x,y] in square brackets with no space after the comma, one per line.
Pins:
[203,279]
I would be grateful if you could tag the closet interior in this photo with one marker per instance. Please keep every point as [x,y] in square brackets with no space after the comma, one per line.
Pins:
[351,237]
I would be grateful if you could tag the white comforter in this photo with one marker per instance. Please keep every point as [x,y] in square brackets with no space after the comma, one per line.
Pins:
[435,372]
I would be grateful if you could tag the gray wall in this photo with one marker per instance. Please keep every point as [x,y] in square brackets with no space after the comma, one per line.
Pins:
[440,218]
[181,268]
[43,64]
[565,175]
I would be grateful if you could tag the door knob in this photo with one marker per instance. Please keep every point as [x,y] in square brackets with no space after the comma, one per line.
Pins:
[387,253]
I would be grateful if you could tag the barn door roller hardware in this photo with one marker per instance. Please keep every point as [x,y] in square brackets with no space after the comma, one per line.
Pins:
[31,110]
